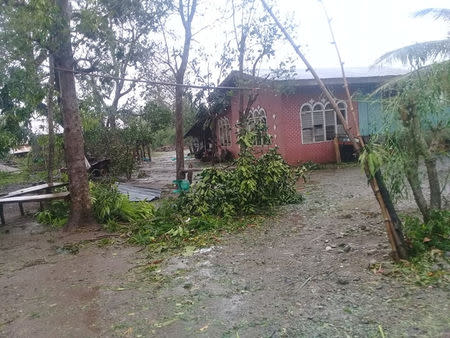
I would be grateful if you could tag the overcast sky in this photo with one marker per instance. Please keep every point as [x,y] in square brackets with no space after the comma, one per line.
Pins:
[364,29]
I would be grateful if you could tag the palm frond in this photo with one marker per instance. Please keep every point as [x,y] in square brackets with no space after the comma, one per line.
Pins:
[437,13]
[437,73]
[418,53]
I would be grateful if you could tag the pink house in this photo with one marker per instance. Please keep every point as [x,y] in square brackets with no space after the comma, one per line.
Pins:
[298,117]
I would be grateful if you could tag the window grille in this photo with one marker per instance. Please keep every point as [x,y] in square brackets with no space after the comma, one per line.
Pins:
[257,122]
[320,123]
[224,131]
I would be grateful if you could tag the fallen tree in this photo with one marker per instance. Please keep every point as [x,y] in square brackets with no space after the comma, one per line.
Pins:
[391,220]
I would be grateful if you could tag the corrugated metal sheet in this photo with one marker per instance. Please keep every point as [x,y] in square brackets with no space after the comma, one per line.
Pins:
[370,117]
[139,193]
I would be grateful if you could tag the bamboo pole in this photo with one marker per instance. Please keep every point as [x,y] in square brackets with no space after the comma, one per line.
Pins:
[397,250]
[397,234]
[347,90]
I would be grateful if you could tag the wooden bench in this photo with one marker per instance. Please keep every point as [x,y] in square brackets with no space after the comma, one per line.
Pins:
[32,198]
[18,196]
[35,188]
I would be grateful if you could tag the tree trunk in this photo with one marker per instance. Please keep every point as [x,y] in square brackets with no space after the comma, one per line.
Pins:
[80,206]
[433,180]
[50,121]
[412,175]
[241,78]
[430,164]
[420,147]
[179,140]
[179,77]
[149,153]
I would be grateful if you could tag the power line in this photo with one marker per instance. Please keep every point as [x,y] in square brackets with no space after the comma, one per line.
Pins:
[161,83]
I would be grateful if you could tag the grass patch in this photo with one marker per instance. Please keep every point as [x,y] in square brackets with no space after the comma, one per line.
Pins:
[21,177]
[7,178]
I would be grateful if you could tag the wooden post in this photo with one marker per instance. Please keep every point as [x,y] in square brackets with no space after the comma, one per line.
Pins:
[337,150]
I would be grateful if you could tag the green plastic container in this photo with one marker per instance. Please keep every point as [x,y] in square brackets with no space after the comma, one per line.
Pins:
[182,185]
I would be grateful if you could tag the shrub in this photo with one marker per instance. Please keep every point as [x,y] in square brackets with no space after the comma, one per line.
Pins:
[255,184]
[433,234]
[108,205]
[56,214]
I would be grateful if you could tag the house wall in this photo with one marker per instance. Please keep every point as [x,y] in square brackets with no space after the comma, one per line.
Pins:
[284,124]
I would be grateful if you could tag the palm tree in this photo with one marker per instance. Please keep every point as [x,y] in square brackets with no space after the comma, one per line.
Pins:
[418,54]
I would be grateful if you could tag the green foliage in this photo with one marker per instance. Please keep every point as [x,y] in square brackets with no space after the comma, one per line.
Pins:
[158,116]
[55,214]
[255,184]
[24,39]
[221,200]
[37,158]
[434,234]
[415,113]
[163,137]
[108,205]
[372,157]
[171,223]
[152,128]
[118,145]
[11,177]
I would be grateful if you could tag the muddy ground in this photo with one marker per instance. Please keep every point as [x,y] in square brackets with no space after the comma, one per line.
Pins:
[274,280]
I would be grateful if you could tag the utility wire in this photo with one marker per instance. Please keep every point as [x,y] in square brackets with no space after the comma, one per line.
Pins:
[153,82]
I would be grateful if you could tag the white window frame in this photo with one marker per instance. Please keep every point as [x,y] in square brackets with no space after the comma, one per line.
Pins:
[311,105]
[255,116]
[224,132]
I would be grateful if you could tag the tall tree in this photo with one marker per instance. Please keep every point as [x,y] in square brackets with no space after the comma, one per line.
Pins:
[186,10]
[176,60]
[416,117]
[24,31]
[255,40]
[80,206]
[114,41]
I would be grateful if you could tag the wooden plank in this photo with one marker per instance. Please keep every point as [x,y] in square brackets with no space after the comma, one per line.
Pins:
[35,188]
[34,198]
[336,150]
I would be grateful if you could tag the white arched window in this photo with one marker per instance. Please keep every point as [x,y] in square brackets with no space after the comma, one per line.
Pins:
[307,124]
[330,122]
[257,121]
[224,132]
[340,128]
[319,121]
